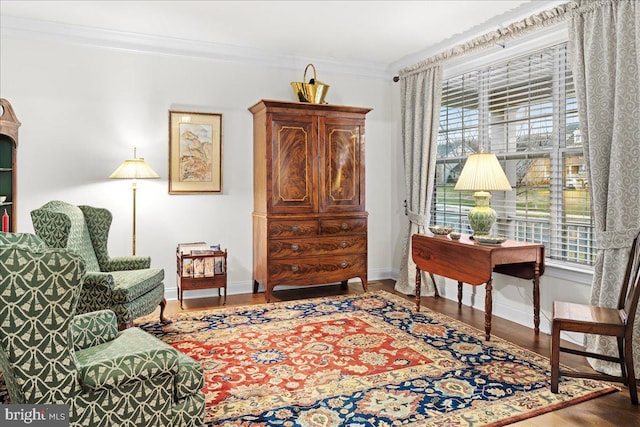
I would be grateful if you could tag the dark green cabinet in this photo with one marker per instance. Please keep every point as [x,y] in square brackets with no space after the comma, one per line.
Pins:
[9,125]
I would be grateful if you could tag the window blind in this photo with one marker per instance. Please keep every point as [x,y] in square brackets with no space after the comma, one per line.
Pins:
[523,110]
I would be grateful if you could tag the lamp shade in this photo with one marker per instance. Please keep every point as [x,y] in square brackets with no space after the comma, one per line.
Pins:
[482,172]
[134,169]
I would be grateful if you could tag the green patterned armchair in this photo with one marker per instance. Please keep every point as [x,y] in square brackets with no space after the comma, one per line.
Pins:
[125,285]
[50,356]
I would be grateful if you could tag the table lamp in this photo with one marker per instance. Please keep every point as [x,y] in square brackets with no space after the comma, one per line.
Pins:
[134,169]
[482,173]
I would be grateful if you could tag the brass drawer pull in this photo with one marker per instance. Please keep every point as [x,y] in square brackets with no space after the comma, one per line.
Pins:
[294,228]
[295,268]
[344,226]
[343,244]
[344,264]
[294,247]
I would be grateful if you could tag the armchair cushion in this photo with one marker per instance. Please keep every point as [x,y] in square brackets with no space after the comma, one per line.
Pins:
[133,356]
[132,284]
[121,286]
[140,306]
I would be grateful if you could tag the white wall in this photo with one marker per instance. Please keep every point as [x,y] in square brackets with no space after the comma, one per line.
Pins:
[83,109]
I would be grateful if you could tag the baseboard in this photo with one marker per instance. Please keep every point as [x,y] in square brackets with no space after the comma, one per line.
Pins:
[246,287]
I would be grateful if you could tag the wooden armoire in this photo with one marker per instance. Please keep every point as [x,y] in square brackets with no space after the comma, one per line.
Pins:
[309,218]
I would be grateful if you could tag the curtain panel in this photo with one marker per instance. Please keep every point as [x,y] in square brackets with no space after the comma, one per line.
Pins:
[420,114]
[604,43]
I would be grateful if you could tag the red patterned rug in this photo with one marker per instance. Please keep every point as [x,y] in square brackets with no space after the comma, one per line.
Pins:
[361,360]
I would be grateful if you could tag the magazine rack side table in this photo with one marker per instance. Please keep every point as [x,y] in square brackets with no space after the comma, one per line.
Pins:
[468,261]
[207,270]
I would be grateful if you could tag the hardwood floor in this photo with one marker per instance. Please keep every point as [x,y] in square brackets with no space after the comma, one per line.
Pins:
[612,410]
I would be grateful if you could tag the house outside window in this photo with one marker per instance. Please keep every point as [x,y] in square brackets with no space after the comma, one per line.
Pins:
[524,110]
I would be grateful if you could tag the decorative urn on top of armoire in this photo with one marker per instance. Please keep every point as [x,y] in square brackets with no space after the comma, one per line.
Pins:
[309,217]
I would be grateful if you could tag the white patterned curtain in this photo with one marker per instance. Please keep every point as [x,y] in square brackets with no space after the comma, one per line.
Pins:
[604,42]
[420,109]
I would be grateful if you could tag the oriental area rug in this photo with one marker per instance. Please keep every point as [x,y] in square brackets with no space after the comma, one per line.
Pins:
[361,360]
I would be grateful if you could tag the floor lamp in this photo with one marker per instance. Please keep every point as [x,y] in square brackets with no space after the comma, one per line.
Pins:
[134,169]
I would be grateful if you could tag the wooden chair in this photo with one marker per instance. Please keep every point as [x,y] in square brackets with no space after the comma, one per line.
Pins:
[617,322]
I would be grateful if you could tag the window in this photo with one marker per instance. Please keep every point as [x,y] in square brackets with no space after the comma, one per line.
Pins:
[523,110]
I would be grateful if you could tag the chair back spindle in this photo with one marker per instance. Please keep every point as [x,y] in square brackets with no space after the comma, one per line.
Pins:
[630,292]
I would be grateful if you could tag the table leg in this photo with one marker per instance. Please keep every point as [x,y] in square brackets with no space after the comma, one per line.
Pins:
[488,305]
[459,294]
[536,299]
[433,280]
[418,286]
[180,296]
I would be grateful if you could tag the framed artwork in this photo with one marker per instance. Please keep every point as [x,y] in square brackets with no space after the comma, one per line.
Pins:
[195,152]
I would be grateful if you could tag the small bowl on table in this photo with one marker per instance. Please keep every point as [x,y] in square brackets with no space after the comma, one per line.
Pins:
[454,235]
[440,230]
[486,239]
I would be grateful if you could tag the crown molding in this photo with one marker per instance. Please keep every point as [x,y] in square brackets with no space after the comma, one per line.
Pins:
[39,30]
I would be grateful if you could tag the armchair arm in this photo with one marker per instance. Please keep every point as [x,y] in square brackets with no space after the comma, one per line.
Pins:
[103,282]
[127,263]
[133,356]
[91,329]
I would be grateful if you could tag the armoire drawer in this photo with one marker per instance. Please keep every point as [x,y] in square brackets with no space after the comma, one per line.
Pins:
[343,226]
[334,245]
[321,269]
[293,228]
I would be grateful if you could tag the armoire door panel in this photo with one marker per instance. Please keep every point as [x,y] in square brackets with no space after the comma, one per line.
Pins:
[294,166]
[341,175]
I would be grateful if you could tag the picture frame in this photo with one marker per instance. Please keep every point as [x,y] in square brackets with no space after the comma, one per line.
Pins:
[195,152]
